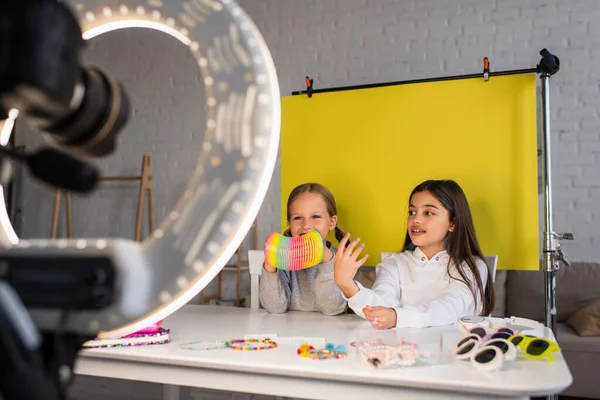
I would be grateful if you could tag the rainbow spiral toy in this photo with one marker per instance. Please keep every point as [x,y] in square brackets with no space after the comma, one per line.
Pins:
[296,253]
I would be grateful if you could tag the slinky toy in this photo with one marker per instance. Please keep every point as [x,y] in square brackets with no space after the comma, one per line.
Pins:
[294,253]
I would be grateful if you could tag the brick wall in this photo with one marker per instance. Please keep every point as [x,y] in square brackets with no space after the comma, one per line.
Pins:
[353,42]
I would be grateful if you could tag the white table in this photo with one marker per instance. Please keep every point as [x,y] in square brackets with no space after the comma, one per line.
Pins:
[281,372]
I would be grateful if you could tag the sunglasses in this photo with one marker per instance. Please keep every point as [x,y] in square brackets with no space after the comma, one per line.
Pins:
[465,339]
[467,348]
[508,349]
[489,356]
[535,347]
[503,332]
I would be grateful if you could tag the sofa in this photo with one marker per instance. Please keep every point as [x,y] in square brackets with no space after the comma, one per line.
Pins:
[521,294]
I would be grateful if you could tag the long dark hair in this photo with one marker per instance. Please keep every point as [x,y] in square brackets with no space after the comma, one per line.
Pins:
[461,244]
[327,197]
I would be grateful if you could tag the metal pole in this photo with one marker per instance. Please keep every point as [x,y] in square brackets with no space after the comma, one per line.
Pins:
[549,240]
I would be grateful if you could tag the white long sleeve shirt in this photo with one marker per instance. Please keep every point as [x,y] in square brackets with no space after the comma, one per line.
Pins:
[420,290]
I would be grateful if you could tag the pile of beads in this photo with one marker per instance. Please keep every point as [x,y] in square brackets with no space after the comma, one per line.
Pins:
[251,344]
[304,349]
[330,351]
[380,355]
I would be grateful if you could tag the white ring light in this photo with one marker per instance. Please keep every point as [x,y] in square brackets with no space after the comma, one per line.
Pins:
[8,235]
[224,195]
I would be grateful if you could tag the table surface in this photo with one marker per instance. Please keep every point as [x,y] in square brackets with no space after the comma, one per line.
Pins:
[524,377]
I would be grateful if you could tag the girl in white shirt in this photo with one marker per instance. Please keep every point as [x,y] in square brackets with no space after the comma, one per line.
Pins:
[439,276]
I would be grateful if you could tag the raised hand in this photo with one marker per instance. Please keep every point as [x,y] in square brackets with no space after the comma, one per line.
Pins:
[346,265]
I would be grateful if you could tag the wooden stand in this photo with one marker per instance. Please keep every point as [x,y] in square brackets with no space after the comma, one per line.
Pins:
[240,265]
[146,187]
[57,210]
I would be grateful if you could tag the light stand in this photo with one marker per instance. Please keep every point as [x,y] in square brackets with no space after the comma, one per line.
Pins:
[549,65]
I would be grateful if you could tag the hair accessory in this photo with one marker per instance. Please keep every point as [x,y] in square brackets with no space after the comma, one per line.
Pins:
[249,344]
[293,254]
[204,345]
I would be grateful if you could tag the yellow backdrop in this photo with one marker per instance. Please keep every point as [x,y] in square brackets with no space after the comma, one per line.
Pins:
[371,147]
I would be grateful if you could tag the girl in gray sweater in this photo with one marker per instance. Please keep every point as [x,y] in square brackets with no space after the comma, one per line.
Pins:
[310,207]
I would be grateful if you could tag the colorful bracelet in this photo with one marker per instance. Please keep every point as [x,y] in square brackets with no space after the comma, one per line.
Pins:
[317,341]
[209,345]
[246,344]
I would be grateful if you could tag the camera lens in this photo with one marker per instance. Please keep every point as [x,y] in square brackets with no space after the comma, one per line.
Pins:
[101,109]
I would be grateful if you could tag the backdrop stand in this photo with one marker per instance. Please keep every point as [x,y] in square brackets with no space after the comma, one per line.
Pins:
[553,255]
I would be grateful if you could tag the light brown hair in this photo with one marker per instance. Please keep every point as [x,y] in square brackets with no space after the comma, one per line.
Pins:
[327,197]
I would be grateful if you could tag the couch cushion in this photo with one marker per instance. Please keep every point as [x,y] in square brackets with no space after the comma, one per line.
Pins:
[568,340]
[366,276]
[586,322]
[576,286]
[500,294]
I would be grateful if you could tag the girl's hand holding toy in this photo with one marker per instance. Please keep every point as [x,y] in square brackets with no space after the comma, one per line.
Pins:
[380,317]
[295,253]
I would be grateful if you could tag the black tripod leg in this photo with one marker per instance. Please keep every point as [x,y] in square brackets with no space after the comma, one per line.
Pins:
[22,373]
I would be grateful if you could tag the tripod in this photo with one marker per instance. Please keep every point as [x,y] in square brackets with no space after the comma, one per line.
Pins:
[33,365]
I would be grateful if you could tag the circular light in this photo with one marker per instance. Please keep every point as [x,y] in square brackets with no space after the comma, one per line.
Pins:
[7,233]
[229,183]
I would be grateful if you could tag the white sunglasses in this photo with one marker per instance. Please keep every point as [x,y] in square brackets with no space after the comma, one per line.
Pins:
[487,356]
[465,339]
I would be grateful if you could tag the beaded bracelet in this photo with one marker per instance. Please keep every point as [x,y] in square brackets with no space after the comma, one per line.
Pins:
[209,345]
[316,340]
[246,346]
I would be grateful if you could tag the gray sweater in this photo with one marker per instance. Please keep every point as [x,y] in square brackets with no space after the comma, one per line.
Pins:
[310,289]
